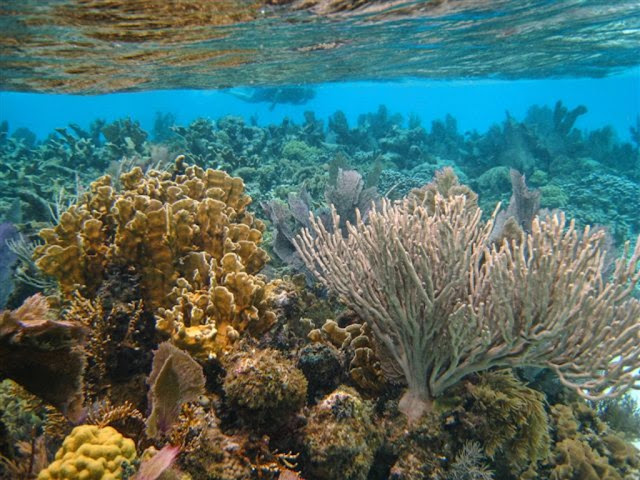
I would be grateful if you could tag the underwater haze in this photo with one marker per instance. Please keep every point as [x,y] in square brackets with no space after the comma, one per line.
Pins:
[319,240]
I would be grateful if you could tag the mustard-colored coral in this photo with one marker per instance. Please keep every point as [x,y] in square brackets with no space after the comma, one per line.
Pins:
[364,367]
[91,453]
[188,237]
[237,303]
[585,448]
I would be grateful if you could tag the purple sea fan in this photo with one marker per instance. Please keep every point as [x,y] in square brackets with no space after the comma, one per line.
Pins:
[155,466]
[175,378]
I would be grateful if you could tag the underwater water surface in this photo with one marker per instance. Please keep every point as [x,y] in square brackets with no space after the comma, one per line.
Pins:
[321,240]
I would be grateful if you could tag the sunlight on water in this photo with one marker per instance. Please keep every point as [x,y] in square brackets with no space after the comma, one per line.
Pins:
[81,46]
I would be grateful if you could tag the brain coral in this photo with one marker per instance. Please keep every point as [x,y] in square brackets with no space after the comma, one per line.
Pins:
[189,238]
[91,453]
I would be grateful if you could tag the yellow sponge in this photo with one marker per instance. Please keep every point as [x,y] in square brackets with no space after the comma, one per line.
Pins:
[91,453]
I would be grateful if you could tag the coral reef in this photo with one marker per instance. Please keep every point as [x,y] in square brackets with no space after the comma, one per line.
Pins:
[8,233]
[602,192]
[468,464]
[622,414]
[321,366]
[274,380]
[358,351]
[348,195]
[408,268]
[510,418]
[118,351]
[287,219]
[20,416]
[175,379]
[35,348]
[585,448]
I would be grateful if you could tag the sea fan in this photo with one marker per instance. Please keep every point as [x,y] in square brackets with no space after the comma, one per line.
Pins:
[153,467]
[175,378]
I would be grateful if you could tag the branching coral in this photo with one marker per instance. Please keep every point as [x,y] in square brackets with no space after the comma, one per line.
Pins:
[189,238]
[446,302]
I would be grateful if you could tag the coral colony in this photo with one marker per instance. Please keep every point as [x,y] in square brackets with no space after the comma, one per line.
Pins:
[228,301]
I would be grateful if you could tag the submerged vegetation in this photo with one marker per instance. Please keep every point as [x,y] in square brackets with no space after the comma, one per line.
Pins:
[168,282]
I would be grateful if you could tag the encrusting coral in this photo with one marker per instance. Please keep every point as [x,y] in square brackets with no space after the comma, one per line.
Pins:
[322,367]
[91,452]
[189,238]
[264,385]
[586,448]
[341,437]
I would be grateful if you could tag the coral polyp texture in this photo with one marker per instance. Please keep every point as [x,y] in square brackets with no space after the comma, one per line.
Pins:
[189,238]
[341,437]
[91,453]
[263,385]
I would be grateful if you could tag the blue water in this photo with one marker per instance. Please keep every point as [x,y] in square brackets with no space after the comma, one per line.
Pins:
[474,104]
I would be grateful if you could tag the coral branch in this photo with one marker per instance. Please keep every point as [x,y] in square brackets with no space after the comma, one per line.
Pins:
[447,302]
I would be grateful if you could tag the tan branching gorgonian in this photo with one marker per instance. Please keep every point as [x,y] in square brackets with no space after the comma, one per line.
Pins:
[26,270]
[107,414]
[446,302]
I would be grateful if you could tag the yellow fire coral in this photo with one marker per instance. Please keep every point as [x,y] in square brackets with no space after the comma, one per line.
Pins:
[237,305]
[91,453]
[186,234]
